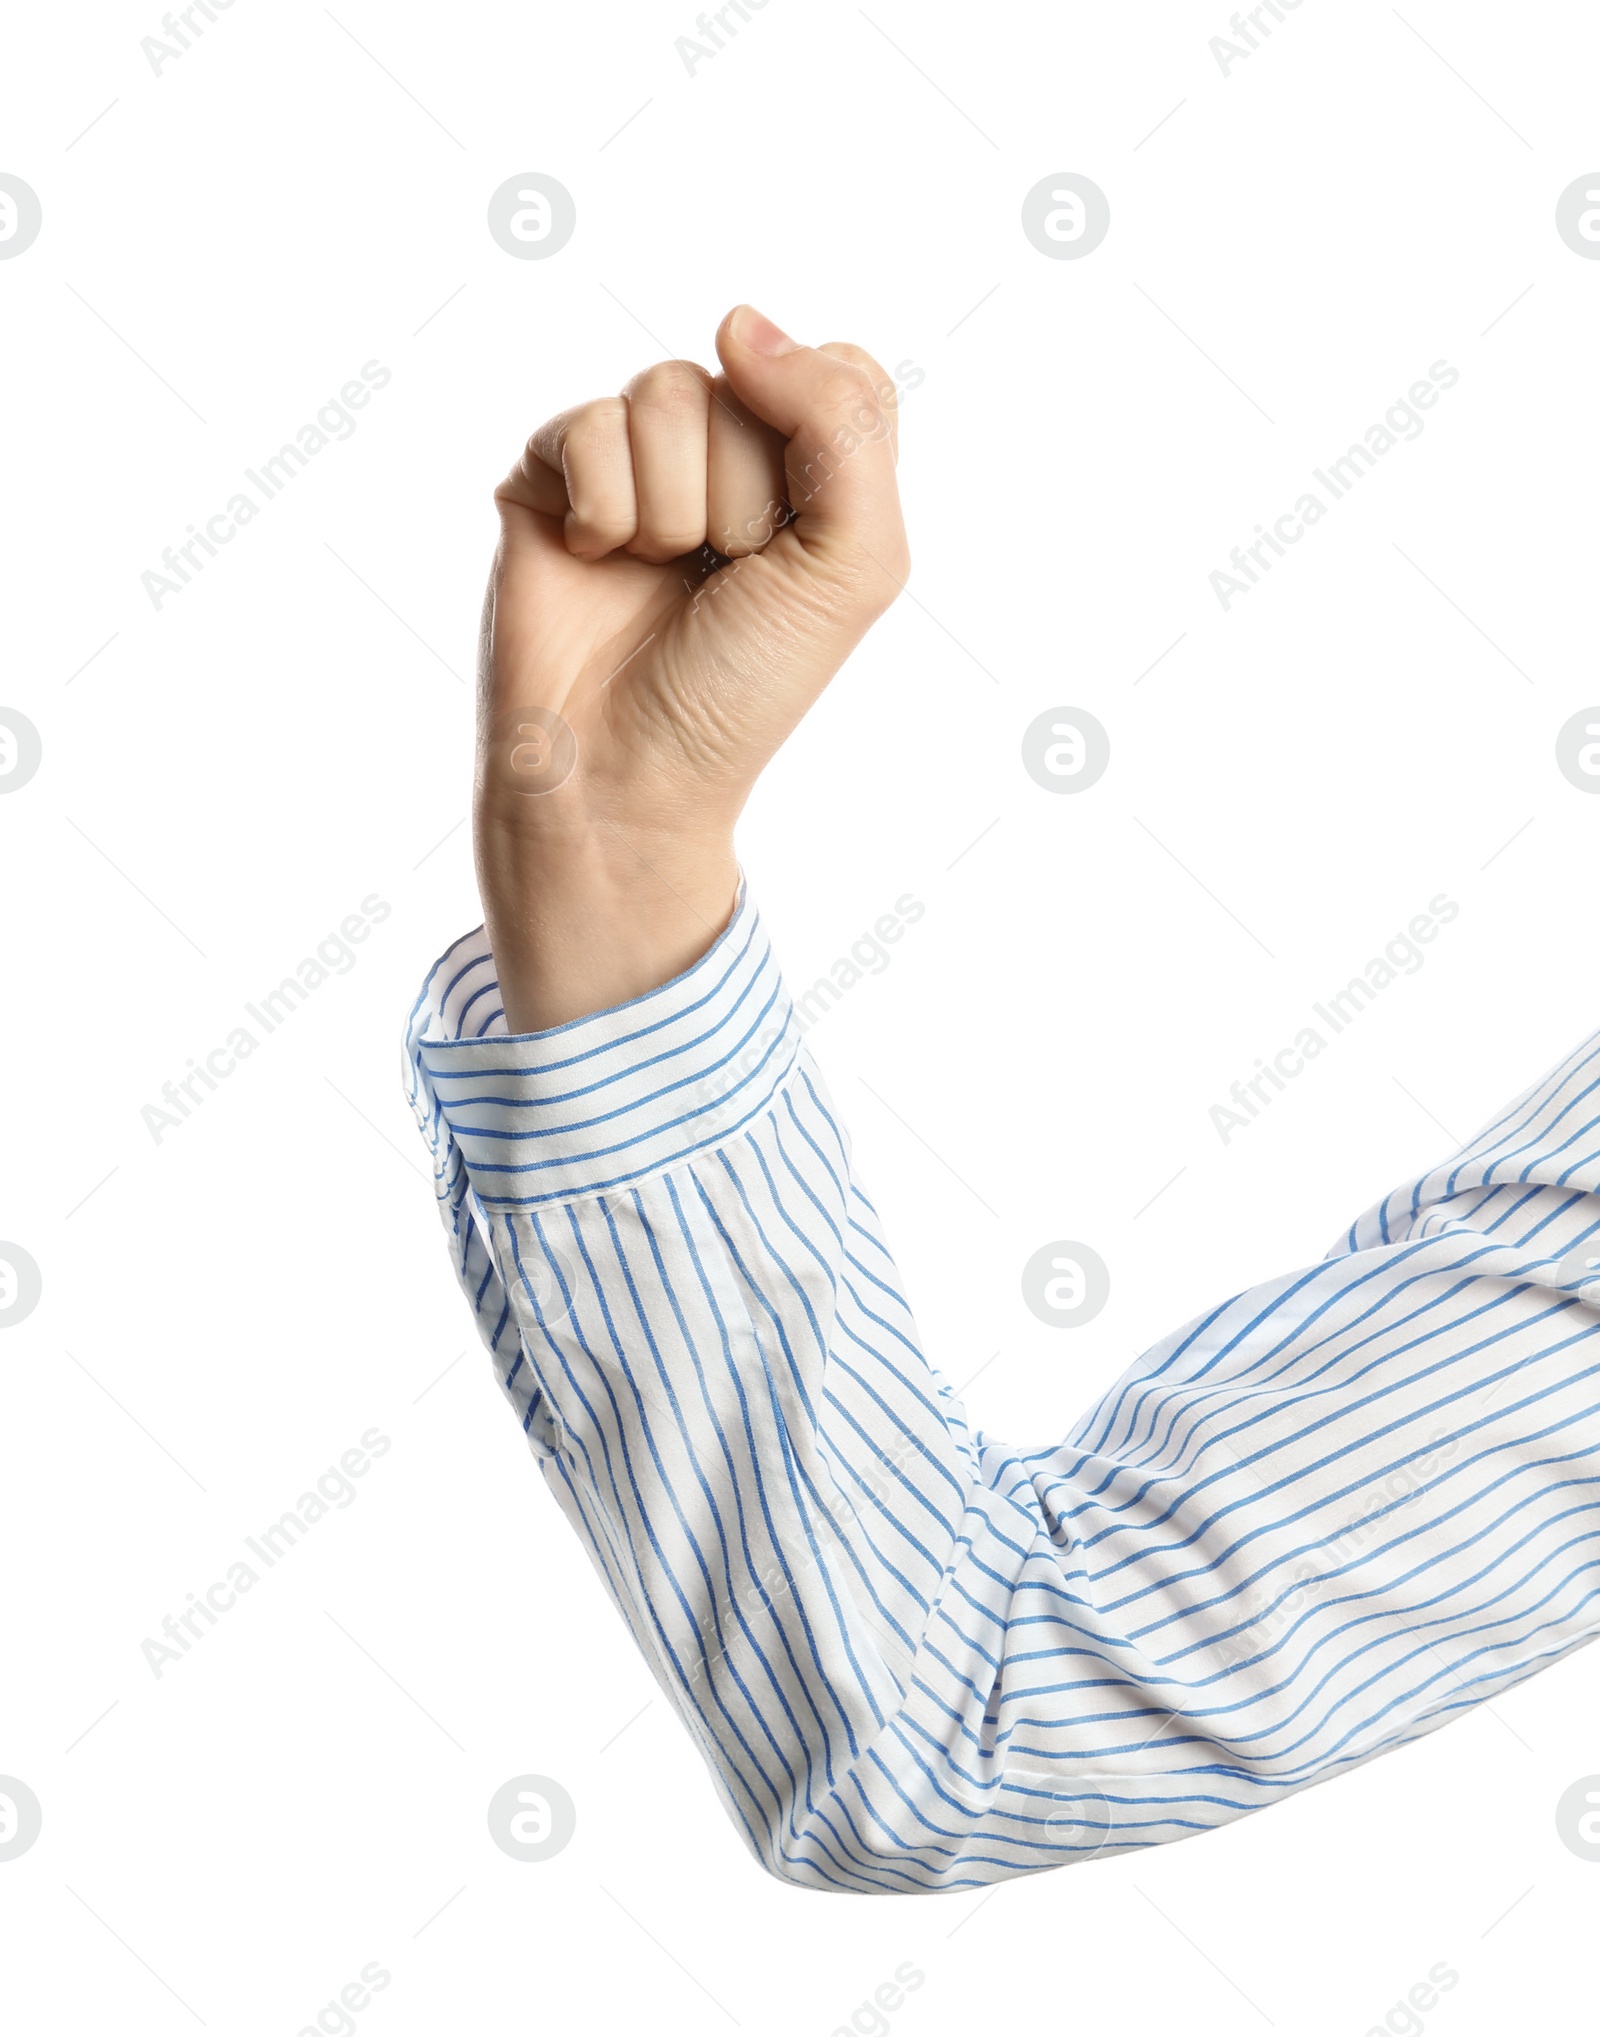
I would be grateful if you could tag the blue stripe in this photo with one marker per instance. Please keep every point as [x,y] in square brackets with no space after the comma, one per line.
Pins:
[1324,1518]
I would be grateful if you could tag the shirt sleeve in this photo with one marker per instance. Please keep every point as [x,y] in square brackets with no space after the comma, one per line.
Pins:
[1322,1519]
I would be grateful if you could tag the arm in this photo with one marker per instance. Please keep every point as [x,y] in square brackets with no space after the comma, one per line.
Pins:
[1312,1525]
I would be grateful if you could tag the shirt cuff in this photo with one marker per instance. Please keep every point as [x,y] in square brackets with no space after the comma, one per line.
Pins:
[617,1095]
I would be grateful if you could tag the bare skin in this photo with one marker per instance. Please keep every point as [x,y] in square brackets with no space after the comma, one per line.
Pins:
[628,697]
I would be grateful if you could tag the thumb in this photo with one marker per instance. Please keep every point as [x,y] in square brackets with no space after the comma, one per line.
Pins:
[840,455]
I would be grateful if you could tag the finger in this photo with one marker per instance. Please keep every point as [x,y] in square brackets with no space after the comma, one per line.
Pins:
[882,383]
[533,485]
[746,499]
[589,448]
[667,407]
[840,460]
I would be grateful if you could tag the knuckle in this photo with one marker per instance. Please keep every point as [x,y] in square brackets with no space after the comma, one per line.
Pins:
[671,386]
[859,358]
[850,403]
[526,465]
[844,385]
[597,422]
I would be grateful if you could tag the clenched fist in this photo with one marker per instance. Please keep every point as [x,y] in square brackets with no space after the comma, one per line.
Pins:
[681,570]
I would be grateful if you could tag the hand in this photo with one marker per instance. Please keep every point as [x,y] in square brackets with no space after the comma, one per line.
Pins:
[681,570]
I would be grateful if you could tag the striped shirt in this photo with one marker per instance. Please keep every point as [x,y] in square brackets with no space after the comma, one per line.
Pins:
[1320,1520]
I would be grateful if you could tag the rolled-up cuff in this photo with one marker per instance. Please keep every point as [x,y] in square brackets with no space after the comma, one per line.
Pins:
[610,1098]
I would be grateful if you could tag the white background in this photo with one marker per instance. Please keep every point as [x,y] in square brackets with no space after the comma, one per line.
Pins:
[227,1310]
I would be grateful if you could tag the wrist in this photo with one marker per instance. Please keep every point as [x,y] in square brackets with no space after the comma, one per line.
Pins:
[592,915]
